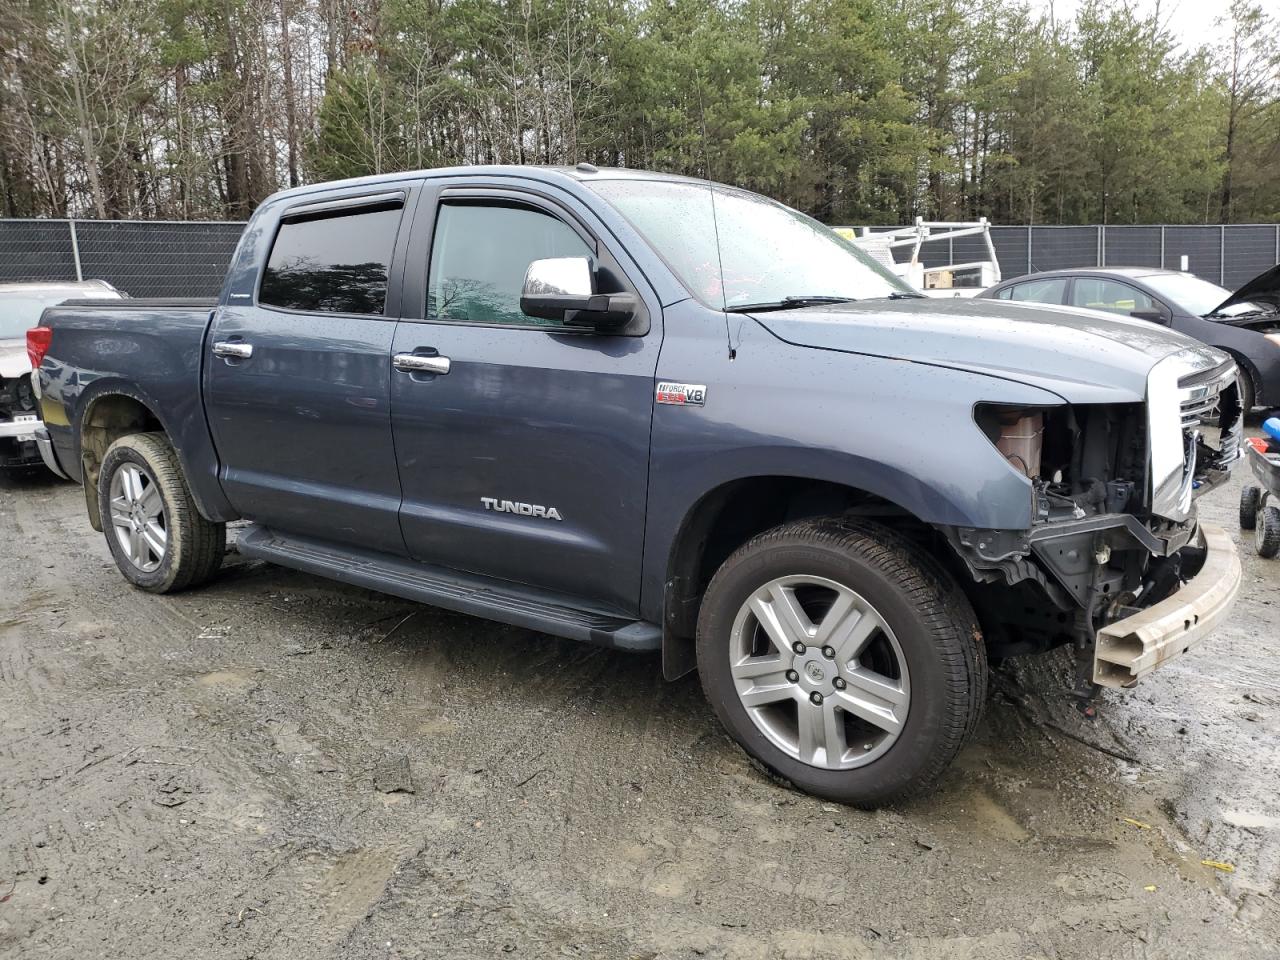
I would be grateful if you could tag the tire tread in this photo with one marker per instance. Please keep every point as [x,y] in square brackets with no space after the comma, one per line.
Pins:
[198,543]
[1267,536]
[943,607]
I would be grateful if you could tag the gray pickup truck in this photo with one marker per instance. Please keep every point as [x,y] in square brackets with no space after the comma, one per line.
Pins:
[656,414]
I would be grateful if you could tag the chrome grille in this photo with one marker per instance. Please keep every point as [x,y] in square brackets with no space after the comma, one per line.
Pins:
[1198,393]
[1186,401]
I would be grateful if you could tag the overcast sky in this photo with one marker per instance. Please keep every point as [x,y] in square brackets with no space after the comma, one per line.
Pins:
[1191,21]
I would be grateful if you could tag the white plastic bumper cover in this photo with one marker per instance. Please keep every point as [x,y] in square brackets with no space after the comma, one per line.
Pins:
[1129,649]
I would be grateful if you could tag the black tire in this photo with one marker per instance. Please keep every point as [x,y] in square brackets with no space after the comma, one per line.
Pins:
[928,614]
[1266,537]
[1250,500]
[1248,393]
[194,546]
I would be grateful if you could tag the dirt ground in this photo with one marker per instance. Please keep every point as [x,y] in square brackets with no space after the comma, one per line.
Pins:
[279,767]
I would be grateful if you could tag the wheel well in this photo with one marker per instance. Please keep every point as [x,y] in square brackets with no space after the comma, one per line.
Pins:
[732,514]
[107,419]
[1247,368]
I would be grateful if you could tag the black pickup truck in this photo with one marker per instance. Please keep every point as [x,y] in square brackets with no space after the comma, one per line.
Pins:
[660,414]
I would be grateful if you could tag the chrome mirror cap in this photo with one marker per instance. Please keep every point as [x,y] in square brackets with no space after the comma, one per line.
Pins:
[559,276]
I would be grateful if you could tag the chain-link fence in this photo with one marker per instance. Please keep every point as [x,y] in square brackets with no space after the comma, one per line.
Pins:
[142,258]
[166,258]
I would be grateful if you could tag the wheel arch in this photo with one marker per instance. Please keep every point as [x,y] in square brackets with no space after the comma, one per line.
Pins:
[729,515]
[1249,369]
[110,413]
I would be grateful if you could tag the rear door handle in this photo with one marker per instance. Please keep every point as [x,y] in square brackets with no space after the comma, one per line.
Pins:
[417,363]
[233,349]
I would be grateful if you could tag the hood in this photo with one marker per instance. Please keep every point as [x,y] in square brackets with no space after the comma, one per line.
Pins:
[1264,288]
[1084,356]
[14,361]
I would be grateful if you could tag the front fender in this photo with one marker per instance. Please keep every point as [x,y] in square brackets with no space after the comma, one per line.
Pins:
[901,430]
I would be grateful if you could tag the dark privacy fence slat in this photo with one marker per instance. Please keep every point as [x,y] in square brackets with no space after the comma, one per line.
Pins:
[36,250]
[1250,249]
[1131,247]
[173,259]
[142,258]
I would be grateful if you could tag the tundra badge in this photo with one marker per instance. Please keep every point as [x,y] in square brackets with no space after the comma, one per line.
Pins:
[682,394]
[524,509]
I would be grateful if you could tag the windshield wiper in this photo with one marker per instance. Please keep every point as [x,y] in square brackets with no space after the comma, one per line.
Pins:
[788,303]
[900,295]
[1222,315]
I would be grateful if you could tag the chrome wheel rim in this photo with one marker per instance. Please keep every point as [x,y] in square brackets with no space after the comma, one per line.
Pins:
[137,517]
[819,672]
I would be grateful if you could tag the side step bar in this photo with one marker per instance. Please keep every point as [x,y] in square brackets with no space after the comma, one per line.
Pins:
[466,593]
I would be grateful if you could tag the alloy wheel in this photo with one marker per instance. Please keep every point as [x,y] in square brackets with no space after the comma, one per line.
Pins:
[819,672]
[138,518]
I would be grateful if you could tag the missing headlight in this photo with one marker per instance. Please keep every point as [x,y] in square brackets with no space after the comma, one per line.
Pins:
[1017,432]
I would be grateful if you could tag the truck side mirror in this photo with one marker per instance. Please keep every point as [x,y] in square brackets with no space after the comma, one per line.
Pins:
[563,289]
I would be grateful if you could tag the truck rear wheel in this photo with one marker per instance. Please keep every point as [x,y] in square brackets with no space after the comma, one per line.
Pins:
[844,658]
[158,538]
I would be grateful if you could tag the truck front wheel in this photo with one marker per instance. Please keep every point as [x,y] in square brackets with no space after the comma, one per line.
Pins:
[158,538]
[844,658]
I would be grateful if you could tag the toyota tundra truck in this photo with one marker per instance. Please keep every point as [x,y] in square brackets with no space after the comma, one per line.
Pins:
[660,414]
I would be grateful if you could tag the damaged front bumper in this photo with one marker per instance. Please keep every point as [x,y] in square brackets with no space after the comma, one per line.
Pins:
[1129,649]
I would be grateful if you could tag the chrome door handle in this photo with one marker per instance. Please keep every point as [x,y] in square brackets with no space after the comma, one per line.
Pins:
[233,349]
[417,363]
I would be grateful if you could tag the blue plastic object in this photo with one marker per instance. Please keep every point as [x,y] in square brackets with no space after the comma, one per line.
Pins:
[1271,427]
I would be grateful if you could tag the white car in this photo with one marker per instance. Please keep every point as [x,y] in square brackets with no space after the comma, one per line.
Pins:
[20,307]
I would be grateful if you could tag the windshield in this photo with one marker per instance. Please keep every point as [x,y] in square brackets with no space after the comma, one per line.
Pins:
[20,309]
[1194,295]
[767,254]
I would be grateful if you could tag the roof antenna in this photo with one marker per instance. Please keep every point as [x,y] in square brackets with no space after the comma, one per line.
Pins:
[715,224]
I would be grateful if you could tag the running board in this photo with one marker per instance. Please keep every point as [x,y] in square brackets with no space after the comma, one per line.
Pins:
[479,596]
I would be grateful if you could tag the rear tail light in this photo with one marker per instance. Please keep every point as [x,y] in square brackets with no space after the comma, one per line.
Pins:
[38,340]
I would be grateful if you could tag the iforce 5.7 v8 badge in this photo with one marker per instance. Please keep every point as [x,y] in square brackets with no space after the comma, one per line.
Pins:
[682,394]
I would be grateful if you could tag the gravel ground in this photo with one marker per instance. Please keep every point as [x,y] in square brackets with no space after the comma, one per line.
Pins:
[280,767]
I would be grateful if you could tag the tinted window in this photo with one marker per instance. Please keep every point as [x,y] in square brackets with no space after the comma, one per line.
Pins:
[479,256]
[1004,293]
[1040,291]
[1108,295]
[332,264]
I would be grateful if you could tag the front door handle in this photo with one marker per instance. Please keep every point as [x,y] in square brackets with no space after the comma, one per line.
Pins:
[417,363]
[233,349]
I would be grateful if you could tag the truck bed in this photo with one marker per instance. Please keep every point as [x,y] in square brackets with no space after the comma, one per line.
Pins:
[153,345]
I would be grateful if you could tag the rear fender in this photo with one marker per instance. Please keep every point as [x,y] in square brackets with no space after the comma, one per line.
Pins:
[190,441]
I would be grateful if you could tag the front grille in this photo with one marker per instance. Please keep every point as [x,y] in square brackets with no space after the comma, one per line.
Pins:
[1196,411]
[1200,394]
[1187,405]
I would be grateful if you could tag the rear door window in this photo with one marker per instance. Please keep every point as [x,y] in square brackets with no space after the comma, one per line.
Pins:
[1049,290]
[332,262]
